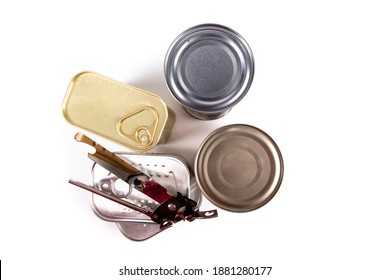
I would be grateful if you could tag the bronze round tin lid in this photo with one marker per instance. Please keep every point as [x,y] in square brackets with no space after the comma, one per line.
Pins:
[239,167]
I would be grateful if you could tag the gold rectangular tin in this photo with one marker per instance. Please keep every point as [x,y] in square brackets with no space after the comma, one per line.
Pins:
[124,114]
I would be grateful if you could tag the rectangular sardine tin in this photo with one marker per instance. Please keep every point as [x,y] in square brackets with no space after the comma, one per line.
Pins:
[121,113]
[168,170]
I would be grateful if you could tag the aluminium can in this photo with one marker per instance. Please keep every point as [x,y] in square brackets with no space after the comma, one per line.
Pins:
[239,168]
[208,69]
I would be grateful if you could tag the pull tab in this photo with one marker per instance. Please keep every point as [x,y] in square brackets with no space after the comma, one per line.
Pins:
[139,127]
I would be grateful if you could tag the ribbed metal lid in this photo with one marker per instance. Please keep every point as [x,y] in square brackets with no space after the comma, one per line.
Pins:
[239,167]
[209,68]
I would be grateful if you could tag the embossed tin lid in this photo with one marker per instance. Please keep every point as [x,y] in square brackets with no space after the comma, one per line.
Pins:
[239,167]
[124,114]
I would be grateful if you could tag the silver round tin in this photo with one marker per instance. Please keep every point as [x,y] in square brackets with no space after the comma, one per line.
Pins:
[239,168]
[208,69]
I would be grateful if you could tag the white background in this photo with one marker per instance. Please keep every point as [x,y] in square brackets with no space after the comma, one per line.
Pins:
[321,90]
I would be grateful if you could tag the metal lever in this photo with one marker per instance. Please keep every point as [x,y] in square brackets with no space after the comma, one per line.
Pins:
[110,197]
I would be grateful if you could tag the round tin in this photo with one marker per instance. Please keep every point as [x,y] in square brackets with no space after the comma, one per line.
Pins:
[239,167]
[208,69]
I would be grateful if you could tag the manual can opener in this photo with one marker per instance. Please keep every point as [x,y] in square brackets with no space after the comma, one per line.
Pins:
[172,208]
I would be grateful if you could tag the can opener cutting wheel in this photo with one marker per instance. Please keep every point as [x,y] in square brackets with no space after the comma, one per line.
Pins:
[172,208]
